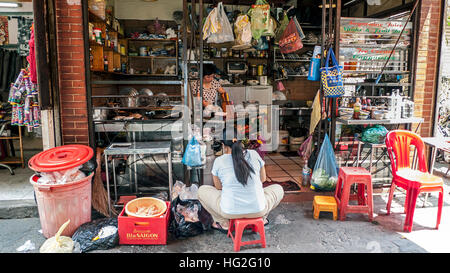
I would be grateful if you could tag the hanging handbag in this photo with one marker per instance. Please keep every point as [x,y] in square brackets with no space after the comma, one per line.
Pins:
[332,81]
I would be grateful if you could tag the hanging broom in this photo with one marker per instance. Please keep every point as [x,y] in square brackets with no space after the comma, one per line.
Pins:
[99,193]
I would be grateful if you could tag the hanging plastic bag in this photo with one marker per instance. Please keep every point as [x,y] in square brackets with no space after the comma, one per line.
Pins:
[262,44]
[211,24]
[314,66]
[225,32]
[290,40]
[306,148]
[332,77]
[243,32]
[325,174]
[192,155]
[260,18]
[375,134]
[314,69]
[58,243]
[188,218]
[270,31]
[283,24]
[98,234]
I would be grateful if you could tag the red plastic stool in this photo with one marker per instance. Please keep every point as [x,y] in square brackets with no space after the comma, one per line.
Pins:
[238,225]
[347,177]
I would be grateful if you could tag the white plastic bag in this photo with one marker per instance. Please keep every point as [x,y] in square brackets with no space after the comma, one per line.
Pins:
[185,193]
[242,29]
[211,24]
[61,177]
[225,32]
[57,243]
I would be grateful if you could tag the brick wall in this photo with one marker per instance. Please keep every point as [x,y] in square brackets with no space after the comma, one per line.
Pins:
[72,84]
[427,61]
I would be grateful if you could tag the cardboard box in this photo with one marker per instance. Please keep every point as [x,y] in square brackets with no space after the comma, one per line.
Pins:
[143,231]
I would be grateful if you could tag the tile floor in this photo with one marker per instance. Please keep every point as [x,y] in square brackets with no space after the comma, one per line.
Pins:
[282,168]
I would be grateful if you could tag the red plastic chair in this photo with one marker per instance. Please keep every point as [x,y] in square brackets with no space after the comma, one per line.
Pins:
[413,181]
[238,225]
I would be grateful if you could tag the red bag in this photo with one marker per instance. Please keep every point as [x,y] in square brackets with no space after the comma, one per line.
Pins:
[290,40]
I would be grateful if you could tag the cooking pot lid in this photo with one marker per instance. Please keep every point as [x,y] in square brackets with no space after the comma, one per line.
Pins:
[61,158]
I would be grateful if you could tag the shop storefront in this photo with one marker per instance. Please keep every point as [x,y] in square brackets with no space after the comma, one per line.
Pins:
[126,76]
[136,80]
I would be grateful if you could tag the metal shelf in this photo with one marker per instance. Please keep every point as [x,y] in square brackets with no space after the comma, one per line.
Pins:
[374,72]
[378,84]
[292,60]
[380,121]
[156,82]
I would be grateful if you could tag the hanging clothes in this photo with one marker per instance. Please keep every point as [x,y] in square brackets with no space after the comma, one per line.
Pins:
[10,64]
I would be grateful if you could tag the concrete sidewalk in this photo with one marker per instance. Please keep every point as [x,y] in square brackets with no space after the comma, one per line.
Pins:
[291,229]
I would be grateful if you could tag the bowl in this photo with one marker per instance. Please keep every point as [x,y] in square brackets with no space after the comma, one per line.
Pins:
[364,114]
[346,116]
[378,115]
[132,208]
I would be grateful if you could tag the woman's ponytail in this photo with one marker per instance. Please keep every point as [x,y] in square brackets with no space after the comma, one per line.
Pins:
[242,169]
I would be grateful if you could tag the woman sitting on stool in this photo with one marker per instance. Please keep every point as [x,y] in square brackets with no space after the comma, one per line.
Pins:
[238,191]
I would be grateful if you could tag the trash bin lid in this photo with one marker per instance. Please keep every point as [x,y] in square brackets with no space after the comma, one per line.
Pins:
[61,158]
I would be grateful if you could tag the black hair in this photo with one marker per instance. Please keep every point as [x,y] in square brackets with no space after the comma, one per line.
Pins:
[209,69]
[242,168]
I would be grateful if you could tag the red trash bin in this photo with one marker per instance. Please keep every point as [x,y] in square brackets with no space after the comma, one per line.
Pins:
[58,203]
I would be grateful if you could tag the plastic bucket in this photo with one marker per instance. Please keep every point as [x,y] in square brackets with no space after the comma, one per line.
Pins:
[59,203]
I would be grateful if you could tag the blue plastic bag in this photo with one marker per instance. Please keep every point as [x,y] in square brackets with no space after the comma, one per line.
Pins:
[314,70]
[192,155]
[325,173]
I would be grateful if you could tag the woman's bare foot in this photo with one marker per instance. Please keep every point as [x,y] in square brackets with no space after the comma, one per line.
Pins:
[219,226]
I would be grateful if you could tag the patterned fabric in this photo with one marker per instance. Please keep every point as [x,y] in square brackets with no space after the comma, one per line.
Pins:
[209,94]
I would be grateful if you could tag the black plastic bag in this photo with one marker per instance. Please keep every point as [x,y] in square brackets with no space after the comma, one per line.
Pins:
[98,234]
[181,227]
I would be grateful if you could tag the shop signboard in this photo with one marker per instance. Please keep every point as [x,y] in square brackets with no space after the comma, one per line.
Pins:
[366,44]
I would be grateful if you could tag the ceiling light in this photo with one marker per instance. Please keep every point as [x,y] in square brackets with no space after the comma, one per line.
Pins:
[10,5]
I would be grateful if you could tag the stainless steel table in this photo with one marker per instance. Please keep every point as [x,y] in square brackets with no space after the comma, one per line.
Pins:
[379,121]
[136,148]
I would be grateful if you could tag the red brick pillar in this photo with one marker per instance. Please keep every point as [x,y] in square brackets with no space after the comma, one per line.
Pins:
[71,70]
[427,64]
